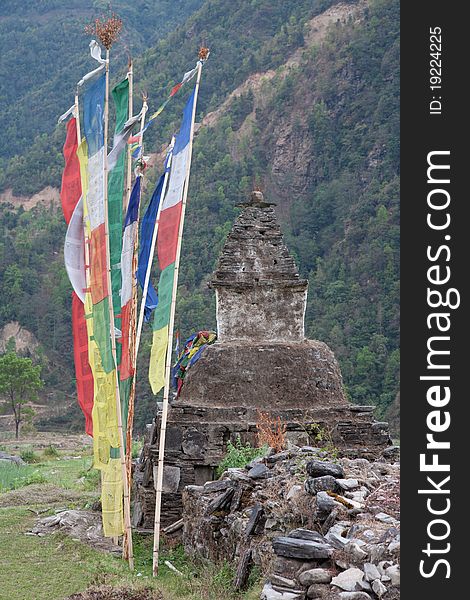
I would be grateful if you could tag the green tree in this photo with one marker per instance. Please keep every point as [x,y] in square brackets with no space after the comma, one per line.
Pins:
[19,385]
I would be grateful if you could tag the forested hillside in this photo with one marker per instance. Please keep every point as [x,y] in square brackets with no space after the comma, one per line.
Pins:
[44,52]
[301,97]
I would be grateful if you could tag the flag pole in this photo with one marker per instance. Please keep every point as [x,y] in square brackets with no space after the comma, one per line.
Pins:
[138,333]
[130,77]
[132,330]
[127,512]
[166,391]
[125,204]
[77,118]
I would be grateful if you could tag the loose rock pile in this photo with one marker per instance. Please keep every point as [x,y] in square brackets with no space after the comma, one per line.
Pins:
[316,527]
[81,525]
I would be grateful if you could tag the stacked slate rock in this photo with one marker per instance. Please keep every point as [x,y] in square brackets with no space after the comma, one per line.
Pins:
[348,561]
[316,527]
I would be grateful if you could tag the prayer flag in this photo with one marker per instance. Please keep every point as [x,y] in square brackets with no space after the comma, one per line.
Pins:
[70,196]
[167,242]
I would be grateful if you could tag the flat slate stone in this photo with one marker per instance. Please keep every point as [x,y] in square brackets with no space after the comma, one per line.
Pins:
[348,484]
[285,582]
[311,450]
[325,504]
[256,513]
[394,573]
[318,592]
[268,593]
[10,458]
[385,518]
[312,576]
[274,458]
[217,486]
[325,483]
[301,549]
[307,534]
[259,471]
[371,572]
[237,475]
[318,468]
[379,588]
[336,540]
[221,502]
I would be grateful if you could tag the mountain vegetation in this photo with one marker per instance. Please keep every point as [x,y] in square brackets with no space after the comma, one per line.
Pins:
[44,52]
[312,119]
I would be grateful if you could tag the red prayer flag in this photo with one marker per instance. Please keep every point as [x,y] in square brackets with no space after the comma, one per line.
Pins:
[167,239]
[70,193]
[71,189]
[175,89]
[83,373]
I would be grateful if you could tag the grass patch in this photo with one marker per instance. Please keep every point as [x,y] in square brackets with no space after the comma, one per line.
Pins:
[55,566]
[13,476]
[201,580]
[70,474]
[51,451]
[50,567]
[239,455]
[28,455]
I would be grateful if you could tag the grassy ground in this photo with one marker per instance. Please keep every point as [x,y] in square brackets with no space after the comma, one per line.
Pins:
[71,474]
[54,566]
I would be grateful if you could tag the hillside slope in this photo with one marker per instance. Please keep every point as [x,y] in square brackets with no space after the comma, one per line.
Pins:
[322,137]
[301,98]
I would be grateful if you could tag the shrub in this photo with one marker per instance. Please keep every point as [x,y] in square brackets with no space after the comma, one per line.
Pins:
[239,455]
[28,455]
[322,437]
[51,451]
[271,431]
[137,446]
[35,477]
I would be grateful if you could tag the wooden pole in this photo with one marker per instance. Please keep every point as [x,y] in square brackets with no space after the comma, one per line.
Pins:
[138,332]
[77,118]
[127,195]
[125,204]
[166,391]
[132,328]
[127,508]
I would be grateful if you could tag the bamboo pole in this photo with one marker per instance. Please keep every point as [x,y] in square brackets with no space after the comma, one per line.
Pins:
[132,328]
[127,511]
[138,332]
[166,392]
[77,118]
[127,195]
[125,204]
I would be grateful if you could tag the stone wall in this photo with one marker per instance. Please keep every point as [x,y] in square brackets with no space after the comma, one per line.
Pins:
[315,528]
[197,438]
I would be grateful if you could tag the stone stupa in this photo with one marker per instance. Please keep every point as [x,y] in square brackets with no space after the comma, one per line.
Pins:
[261,362]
